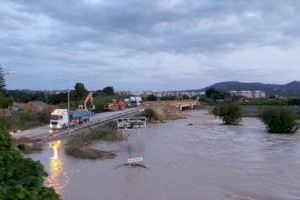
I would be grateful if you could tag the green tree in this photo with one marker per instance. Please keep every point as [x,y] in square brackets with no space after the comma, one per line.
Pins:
[80,91]
[216,94]
[109,90]
[151,97]
[21,178]
[5,100]
[2,80]
[230,113]
[279,120]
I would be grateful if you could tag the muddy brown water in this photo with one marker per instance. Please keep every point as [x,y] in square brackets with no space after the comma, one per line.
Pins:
[193,158]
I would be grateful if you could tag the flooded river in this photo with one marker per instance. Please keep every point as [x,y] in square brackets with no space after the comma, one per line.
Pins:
[193,158]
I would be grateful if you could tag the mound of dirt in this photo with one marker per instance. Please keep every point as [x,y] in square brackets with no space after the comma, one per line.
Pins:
[164,110]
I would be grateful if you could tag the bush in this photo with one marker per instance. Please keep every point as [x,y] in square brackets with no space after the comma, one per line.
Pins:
[5,101]
[21,178]
[279,120]
[25,120]
[78,145]
[230,113]
[150,114]
[27,149]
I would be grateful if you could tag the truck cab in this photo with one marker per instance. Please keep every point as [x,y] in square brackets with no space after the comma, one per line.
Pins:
[59,119]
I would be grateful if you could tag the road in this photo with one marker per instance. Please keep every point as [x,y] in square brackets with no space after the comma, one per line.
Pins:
[44,132]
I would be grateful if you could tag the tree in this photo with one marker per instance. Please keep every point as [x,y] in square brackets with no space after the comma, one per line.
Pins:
[216,94]
[5,100]
[109,90]
[21,178]
[230,113]
[2,80]
[80,91]
[151,97]
[279,120]
[58,98]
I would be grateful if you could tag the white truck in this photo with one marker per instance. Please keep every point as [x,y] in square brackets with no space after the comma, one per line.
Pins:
[61,118]
[133,101]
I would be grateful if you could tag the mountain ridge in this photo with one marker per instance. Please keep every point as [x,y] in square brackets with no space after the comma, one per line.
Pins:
[288,89]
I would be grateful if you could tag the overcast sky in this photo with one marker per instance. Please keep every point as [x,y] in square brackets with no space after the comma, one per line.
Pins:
[148,44]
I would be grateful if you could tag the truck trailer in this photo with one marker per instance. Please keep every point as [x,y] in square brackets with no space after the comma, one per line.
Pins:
[61,118]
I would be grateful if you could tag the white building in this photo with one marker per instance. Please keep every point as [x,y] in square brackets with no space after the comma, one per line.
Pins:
[249,94]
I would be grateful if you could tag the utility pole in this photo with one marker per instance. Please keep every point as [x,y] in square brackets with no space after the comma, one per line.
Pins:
[68,108]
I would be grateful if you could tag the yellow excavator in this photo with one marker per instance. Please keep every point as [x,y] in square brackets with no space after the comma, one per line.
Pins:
[85,105]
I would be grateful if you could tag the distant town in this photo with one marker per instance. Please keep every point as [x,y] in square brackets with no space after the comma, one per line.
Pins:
[243,93]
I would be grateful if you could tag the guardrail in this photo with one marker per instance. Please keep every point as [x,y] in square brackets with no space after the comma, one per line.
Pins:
[96,122]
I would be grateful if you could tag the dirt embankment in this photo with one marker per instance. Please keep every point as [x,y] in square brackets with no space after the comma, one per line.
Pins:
[164,111]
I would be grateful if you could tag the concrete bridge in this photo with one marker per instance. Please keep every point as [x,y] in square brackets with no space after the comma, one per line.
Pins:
[181,104]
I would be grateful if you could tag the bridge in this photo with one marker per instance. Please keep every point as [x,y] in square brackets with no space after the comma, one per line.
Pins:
[181,104]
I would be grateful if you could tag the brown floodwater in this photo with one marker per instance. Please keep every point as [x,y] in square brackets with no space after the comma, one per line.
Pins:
[193,158]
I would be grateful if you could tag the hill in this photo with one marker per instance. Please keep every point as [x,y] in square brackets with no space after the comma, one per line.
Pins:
[289,89]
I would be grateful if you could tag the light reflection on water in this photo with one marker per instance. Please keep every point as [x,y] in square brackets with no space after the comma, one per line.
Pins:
[57,177]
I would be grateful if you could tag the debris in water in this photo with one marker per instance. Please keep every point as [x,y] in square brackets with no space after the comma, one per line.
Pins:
[132,165]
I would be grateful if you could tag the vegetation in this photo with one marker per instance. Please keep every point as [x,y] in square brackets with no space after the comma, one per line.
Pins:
[5,100]
[151,98]
[2,80]
[150,114]
[206,100]
[230,113]
[279,120]
[101,100]
[80,91]
[21,178]
[25,96]
[24,119]
[109,90]
[266,102]
[294,101]
[27,149]
[216,94]
[78,145]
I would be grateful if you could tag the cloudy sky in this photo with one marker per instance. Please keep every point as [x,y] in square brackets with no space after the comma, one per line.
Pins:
[148,45]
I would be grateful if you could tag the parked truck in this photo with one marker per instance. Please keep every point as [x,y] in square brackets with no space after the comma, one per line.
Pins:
[61,118]
[133,101]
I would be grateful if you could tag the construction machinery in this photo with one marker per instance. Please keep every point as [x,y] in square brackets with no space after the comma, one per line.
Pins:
[85,106]
[115,105]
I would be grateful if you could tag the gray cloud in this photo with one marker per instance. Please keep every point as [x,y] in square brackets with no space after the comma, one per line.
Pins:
[162,44]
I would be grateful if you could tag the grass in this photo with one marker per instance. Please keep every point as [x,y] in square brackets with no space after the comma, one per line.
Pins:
[79,145]
[25,120]
[30,148]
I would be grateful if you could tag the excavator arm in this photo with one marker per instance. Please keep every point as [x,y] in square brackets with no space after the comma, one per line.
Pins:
[88,98]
